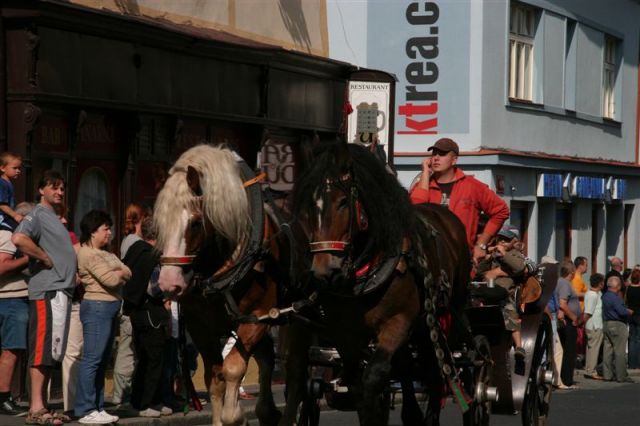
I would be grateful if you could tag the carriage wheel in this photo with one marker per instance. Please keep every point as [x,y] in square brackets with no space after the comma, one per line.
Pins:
[535,409]
[477,380]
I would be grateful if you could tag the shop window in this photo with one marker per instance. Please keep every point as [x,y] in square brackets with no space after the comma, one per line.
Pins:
[93,193]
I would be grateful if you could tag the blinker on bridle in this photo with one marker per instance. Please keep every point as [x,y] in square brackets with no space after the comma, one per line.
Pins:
[187,260]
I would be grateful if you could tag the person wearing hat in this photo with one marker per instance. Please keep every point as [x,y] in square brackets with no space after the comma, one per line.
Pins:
[508,267]
[441,182]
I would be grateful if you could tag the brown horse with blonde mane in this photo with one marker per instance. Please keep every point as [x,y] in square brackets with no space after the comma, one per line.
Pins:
[221,254]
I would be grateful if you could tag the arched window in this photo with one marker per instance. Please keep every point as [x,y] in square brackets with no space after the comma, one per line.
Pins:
[93,193]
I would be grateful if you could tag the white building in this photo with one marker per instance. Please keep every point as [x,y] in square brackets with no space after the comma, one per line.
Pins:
[542,97]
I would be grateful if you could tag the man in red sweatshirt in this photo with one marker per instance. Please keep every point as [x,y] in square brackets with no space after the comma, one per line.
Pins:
[443,183]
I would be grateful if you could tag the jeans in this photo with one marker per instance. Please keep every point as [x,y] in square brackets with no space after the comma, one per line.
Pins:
[634,341]
[98,319]
[14,322]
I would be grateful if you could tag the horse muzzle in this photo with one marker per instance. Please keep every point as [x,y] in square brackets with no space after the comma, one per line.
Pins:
[328,267]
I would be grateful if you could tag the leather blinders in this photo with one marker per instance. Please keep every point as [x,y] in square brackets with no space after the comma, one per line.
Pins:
[361,217]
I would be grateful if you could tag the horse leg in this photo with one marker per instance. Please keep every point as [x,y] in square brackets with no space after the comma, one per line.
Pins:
[411,411]
[435,389]
[296,367]
[234,368]
[374,409]
[215,383]
[266,410]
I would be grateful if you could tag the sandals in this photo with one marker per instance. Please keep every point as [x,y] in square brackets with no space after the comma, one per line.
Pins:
[61,416]
[43,417]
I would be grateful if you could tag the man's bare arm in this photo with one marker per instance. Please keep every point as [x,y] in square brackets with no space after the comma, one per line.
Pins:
[10,264]
[26,245]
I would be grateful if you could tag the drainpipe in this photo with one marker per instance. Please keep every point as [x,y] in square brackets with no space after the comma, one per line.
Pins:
[3,89]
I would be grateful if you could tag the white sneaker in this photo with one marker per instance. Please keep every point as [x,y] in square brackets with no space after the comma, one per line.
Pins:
[149,412]
[164,410]
[109,416]
[95,418]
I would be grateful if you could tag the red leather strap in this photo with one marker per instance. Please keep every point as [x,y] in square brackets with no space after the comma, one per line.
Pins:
[321,246]
[176,260]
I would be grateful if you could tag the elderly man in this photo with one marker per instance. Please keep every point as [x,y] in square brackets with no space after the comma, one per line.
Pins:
[615,315]
[617,266]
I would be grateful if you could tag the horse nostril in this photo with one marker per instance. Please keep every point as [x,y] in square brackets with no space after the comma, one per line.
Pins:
[335,275]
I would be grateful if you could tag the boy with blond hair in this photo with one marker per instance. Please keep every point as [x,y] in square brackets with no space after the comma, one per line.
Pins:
[10,169]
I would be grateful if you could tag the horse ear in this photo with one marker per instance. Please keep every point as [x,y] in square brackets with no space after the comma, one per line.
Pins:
[343,157]
[193,180]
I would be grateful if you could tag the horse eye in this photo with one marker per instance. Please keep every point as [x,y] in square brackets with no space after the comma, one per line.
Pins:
[342,203]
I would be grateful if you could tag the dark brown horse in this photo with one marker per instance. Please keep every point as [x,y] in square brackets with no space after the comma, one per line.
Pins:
[384,272]
[222,254]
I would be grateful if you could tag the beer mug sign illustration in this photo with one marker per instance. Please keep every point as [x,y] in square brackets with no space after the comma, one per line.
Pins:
[368,116]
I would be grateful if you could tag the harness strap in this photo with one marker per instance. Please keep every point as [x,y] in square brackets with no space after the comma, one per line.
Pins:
[286,228]
[240,346]
[255,180]
[321,246]
[176,260]
[234,311]
[190,389]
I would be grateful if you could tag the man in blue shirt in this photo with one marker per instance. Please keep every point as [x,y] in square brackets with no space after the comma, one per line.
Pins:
[615,316]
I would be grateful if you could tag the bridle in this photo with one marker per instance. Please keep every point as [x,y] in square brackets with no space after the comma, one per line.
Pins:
[186,261]
[357,218]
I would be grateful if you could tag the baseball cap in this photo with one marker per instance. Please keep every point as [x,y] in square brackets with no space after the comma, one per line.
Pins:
[509,232]
[445,145]
[548,259]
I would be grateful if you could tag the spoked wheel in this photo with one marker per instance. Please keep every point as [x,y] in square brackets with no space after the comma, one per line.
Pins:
[535,409]
[477,384]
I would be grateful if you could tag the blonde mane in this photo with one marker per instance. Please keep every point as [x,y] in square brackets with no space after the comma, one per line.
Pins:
[224,200]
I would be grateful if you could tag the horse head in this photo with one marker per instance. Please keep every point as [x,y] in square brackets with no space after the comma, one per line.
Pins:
[333,214]
[338,222]
[202,207]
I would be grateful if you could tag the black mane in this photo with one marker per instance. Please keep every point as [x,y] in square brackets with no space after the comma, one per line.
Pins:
[385,201]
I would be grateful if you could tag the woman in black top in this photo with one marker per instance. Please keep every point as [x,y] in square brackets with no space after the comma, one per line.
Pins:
[632,300]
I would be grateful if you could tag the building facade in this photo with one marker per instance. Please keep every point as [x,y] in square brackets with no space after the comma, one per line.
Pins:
[541,95]
[110,93]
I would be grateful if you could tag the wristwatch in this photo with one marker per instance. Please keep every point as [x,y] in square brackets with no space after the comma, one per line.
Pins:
[483,246]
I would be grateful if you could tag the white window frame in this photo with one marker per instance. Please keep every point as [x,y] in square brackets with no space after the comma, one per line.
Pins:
[609,78]
[521,45]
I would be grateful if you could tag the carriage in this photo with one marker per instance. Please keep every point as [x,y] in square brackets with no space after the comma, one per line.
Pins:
[495,381]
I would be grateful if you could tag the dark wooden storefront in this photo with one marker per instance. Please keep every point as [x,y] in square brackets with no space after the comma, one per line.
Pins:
[111,101]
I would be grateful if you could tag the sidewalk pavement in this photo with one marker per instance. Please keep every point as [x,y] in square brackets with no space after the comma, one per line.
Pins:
[204,417]
[177,419]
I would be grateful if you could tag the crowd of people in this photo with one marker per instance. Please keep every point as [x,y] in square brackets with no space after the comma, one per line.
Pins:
[599,321]
[78,292]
